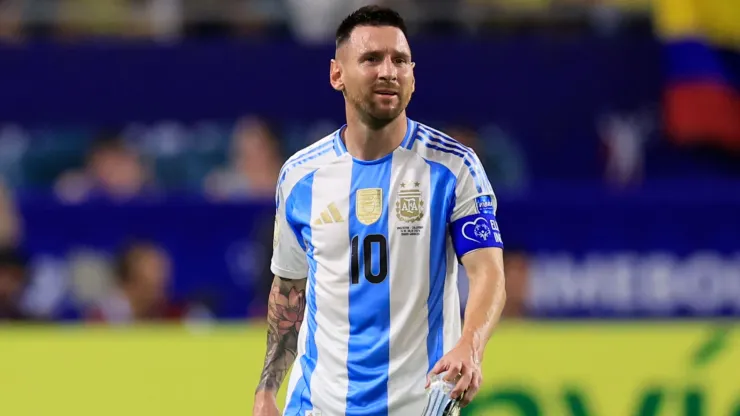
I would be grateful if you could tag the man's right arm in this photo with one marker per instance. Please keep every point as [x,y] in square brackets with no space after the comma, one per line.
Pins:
[286,306]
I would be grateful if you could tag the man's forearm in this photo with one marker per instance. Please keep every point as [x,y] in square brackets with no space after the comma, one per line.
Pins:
[286,306]
[486,299]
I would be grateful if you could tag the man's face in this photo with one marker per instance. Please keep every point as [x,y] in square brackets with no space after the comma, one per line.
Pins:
[117,169]
[375,72]
[151,270]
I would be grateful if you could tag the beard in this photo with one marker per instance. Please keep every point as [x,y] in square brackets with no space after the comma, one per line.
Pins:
[377,113]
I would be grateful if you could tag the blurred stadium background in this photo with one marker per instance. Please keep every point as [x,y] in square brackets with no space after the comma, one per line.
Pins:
[140,142]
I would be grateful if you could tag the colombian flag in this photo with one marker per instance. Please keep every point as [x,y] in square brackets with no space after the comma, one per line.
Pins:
[701,41]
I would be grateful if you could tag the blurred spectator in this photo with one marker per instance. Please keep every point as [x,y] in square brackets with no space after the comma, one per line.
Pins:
[466,136]
[13,282]
[11,22]
[623,138]
[254,164]
[501,156]
[314,21]
[78,18]
[113,171]
[248,18]
[142,277]
[10,224]
[165,18]
[155,19]
[14,270]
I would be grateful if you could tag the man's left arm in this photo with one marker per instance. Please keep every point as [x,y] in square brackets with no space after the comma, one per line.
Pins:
[486,299]
[478,244]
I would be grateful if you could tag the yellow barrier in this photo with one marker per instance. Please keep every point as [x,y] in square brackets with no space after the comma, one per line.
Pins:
[612,370]
[530,369]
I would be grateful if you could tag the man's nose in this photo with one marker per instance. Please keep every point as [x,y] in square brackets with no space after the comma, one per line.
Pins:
[388,72]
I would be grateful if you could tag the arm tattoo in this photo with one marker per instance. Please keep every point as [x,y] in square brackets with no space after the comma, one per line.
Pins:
[284,318]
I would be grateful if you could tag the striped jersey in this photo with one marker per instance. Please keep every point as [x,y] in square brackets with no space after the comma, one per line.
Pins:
[379,242]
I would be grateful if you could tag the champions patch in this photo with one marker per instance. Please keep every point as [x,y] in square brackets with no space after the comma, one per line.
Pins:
[484,204]
[474,232]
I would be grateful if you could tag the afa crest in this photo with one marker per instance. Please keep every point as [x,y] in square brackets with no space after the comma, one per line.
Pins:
[410,205]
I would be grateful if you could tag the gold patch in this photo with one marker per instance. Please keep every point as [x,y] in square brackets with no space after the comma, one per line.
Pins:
[275,232]
[410,205]
[368,205]
[335,213]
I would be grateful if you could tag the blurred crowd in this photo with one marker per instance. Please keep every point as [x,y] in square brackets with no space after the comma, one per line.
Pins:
[225,161]
[125,165]
[131,286]
[115,168]
[307,20]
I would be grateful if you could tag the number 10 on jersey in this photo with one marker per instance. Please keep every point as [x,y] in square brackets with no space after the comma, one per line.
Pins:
[368,242]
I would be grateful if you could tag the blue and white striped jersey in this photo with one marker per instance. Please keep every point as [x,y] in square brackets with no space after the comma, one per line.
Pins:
[379,242]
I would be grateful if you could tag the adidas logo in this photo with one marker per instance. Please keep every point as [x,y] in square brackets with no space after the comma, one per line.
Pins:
[330,215]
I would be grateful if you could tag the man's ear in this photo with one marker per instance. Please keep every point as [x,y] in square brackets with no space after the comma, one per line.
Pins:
[413,78]
[335,75]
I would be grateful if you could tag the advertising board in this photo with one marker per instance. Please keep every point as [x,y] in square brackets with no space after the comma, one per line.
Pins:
[617,369]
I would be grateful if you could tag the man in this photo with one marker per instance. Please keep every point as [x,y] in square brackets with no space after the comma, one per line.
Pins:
[370,224]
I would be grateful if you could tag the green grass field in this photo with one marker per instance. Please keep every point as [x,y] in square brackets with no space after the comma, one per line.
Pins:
[179,371]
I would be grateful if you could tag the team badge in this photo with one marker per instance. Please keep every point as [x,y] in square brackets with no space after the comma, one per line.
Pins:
[410,205]
[368,205]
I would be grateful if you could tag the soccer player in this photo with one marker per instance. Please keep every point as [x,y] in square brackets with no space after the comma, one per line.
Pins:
[371,223]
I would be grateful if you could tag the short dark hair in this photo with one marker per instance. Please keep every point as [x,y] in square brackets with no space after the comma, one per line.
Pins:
[369,16]
[105,142]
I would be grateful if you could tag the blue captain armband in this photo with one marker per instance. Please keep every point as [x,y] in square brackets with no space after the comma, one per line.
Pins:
[474,232]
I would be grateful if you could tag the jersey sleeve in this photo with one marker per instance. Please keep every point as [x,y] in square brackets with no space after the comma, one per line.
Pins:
[288,257]
[473,222]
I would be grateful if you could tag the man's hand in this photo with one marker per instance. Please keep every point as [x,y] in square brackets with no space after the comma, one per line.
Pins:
[485,269]
[265,405]
[462,367]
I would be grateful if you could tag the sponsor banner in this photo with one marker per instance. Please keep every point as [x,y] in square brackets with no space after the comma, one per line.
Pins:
[622,283]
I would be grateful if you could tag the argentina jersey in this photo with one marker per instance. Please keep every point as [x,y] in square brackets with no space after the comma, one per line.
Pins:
[380,242]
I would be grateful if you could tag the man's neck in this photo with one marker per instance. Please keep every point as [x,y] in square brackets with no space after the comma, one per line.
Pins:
[366,142]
